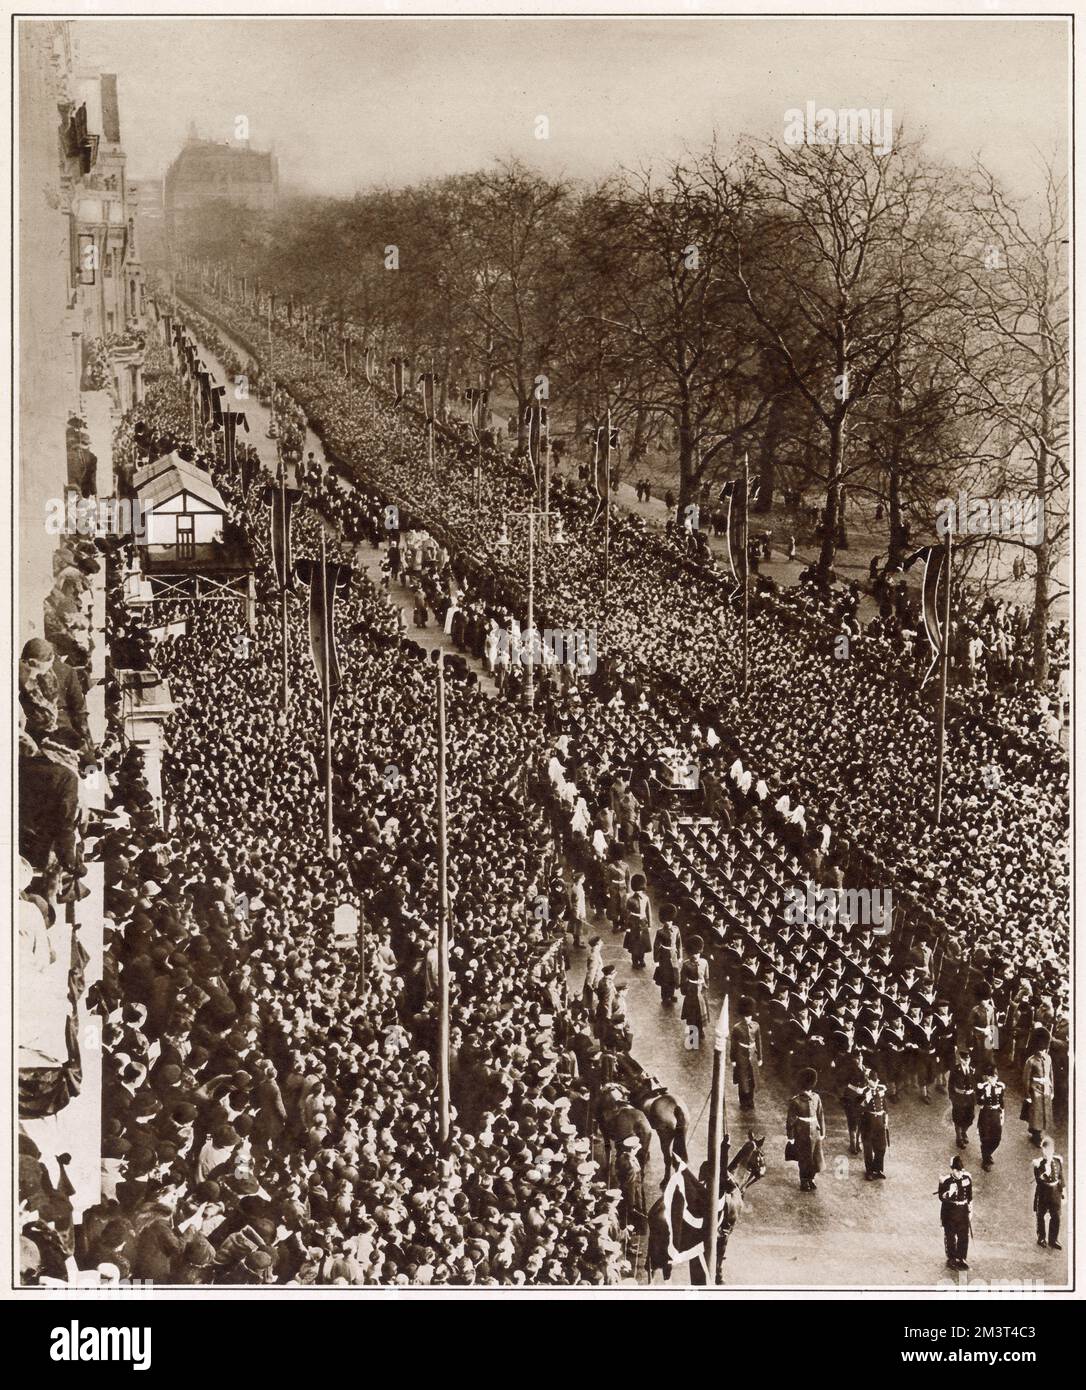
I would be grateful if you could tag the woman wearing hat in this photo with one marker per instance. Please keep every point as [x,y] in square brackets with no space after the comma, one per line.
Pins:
[694,984]
[1038,1085]
[805,1126]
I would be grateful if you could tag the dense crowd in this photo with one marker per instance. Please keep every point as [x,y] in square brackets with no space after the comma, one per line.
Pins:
[841,728]
[269,1095]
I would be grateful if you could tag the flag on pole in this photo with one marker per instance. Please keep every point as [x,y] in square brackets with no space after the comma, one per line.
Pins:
[325,583]
[429,404]
[604,439]
[685,1204]
[731,495]
[477,399]
[535,420]
[203,377]
[933,557]
[281,500]
[231,420]
[399,379]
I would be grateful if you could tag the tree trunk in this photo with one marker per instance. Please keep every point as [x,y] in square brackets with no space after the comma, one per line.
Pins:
[832,509]
[637,445]
[688,482]
[897,533]
[766,459]
[897,521]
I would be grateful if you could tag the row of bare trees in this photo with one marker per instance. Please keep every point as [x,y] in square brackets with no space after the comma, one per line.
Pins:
[862,323]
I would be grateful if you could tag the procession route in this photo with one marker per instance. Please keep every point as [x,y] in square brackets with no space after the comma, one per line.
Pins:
[849,1233]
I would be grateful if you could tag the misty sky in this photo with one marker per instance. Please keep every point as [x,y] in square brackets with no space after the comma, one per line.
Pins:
[349,103]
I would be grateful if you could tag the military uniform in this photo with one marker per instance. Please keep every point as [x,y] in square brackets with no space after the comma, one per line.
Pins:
[1048,1198]
[989,1119]
[921,1045]
[956,1201]
[963,1100]
[855,1087]
[891,1054]
[667,952]
[875,1130]
[746,1045]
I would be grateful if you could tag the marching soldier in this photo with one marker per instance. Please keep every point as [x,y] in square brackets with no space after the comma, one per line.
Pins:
[1037,1084]
[989,1115]
[856,1081]
[1048,1194]
[921,1046]
[944,1043]
[694,984]
[778,1023]
[746,1041]
[875,1129]
[869,1035]
[799,1039]
[892,1052]
[963,1098]
[667,952]
[955,1195]
[982,1028]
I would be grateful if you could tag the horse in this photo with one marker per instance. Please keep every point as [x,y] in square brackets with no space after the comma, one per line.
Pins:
[665,1114]
[751,1160]
[618,1120]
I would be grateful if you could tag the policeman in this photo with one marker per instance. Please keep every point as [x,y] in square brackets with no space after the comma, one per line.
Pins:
[989,1114]
[1048,1193]
[875,1129]
[631,1181]
[955,1195]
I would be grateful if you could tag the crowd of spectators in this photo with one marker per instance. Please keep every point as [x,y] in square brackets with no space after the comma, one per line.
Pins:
[841,726]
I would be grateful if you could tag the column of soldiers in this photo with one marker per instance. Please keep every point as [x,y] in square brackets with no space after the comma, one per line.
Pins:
[827,1027]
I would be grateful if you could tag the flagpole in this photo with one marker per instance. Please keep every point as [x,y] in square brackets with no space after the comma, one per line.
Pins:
[326,684]
[442,914]
[479,444]
[944,672]
[716,1141]
[746,571]
[432,407]
[545,450]
[607,517]
[283,587]
[530,688]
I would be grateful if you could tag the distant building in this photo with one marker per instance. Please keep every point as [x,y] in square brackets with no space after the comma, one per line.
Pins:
[208,172]
[108,252]
[150,219]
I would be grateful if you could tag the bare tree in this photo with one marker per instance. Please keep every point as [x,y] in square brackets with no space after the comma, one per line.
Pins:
[1012,352]
[829,258]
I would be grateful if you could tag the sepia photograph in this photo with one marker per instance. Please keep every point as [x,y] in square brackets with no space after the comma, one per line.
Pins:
[542,635]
